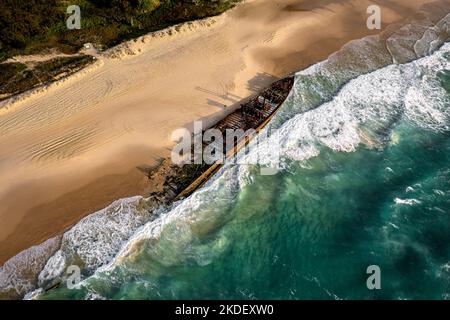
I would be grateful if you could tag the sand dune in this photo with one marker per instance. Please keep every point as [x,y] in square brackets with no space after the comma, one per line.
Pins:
[72,148]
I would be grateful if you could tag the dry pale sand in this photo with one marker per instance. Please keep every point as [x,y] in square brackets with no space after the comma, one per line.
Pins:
[74,147]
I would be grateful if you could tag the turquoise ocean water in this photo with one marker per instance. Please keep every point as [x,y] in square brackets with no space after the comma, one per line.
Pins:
[364,180]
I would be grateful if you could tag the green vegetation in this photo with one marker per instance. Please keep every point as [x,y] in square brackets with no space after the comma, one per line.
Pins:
[8,70]
[29,26]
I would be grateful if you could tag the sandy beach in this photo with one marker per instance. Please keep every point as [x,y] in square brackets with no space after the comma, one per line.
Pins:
[76,146]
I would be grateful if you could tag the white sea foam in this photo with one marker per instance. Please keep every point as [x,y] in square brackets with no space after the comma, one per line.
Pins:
[433,37]
[409,202]
[95,240]
[374,101]
[19,274]
[426,102]
[221,192]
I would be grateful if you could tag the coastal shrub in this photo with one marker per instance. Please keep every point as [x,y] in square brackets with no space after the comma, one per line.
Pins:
[29,26]
[8,70]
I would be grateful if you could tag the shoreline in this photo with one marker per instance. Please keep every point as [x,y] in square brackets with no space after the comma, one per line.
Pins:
[42,208]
